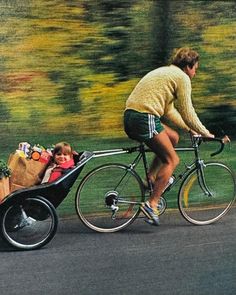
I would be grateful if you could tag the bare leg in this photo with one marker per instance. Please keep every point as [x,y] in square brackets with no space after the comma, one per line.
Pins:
[162,146]
[156,163]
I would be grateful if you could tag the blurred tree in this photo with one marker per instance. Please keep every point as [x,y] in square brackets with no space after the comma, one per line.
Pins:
[161,32]
[109,51]
[73,63]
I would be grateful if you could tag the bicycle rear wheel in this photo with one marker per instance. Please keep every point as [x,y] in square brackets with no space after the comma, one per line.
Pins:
[108,198]
[29,224]
[207,197]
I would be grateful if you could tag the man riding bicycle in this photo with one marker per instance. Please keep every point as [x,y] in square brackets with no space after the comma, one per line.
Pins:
[163,92]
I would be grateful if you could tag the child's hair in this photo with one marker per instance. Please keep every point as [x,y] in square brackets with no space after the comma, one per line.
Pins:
[62,147]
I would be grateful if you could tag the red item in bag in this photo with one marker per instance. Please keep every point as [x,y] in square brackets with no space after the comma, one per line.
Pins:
[45,157]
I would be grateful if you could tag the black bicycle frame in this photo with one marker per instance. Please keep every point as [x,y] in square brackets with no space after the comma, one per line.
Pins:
[141,149]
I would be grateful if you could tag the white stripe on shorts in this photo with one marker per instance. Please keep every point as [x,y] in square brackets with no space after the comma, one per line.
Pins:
[151,125]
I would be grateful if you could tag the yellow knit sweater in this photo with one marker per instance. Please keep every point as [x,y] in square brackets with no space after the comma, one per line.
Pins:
[166,91]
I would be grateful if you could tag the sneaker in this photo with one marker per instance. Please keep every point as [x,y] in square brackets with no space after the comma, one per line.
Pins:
[151,213]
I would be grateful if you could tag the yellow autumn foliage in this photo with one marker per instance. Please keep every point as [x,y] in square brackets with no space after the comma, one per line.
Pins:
[59,53]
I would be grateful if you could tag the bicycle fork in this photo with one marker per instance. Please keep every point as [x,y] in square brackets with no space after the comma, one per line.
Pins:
[202,179]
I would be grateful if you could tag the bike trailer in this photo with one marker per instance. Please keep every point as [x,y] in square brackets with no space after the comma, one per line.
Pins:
[55,192]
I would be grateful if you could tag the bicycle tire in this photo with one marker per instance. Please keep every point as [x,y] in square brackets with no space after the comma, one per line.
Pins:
[104,186]
[29,224]
[198,206]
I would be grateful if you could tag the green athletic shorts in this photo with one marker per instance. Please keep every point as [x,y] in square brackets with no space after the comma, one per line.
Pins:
[141,126]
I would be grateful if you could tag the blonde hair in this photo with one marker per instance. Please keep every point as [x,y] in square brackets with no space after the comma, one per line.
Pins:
[184,57]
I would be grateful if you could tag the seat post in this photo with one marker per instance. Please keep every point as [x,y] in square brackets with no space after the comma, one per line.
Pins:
[145,164]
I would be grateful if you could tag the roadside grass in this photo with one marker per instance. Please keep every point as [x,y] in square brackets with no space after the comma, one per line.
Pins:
[67,207]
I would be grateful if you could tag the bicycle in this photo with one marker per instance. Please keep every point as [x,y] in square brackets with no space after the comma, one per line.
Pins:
[108,198]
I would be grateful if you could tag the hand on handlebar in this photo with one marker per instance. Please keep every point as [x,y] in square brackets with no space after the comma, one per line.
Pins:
[195,137]
[195,134]
[226,139]
[211,135]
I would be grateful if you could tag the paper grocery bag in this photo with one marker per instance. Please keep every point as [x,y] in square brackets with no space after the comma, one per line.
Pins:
[25,172]
[4,188]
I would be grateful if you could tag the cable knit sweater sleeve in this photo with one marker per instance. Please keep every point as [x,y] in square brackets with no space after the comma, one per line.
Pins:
[174,116]
[184,105]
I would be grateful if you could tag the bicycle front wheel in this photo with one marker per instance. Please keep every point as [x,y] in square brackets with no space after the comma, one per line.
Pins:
[108,198]
[206,195]
[29,224]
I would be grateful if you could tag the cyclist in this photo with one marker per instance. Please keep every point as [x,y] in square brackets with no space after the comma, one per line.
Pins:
[163,92]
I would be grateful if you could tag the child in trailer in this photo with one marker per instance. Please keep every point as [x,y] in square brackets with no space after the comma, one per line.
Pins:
[62,160]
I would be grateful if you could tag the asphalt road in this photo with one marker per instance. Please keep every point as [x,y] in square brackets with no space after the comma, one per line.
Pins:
[175,258]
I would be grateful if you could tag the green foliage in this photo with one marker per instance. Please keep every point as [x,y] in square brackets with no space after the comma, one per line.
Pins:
[5,171]
[67,67]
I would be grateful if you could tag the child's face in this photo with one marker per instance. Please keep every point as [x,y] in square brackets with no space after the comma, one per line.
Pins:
[62,157]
